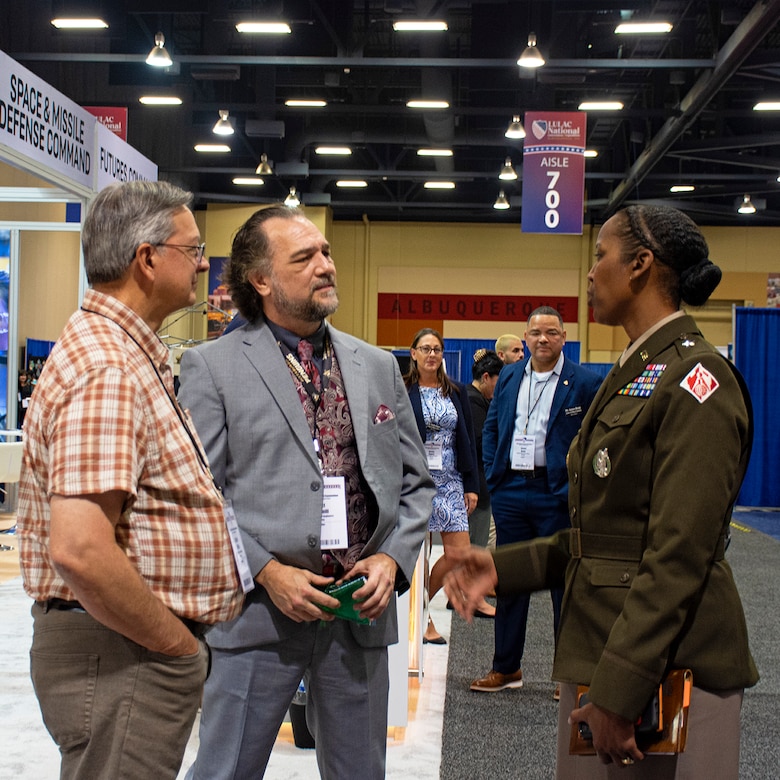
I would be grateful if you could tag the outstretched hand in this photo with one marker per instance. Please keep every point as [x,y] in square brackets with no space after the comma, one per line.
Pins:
[471,577]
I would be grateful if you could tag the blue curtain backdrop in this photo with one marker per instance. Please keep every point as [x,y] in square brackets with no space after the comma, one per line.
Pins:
[756,353]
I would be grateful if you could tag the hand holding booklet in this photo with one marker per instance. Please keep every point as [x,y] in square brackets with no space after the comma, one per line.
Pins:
[347,605]
[663,726]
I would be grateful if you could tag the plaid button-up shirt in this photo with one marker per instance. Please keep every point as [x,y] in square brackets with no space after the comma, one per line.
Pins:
[103,418]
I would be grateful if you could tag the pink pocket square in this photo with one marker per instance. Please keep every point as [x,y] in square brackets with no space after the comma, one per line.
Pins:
[383,414]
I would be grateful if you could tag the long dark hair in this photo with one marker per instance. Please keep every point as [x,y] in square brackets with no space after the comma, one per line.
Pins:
[413,375]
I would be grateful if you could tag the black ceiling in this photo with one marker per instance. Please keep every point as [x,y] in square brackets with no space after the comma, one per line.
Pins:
[688,97]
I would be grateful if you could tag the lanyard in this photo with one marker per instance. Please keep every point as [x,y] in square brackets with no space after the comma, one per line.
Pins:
[179,413]
[430,425]
[298,370]
[538,397]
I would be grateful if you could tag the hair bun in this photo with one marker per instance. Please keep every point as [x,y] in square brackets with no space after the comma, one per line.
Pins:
[698,281]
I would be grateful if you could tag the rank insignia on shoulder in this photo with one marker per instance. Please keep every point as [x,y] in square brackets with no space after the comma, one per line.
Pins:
[700,383]
[644,384]
[687,343]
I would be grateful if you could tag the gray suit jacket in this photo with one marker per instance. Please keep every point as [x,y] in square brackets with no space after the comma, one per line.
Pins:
[247,413]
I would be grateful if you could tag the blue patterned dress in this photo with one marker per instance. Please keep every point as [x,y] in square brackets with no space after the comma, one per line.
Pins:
[441,418]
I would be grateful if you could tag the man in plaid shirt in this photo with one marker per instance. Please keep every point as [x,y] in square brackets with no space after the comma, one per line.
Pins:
[122,535]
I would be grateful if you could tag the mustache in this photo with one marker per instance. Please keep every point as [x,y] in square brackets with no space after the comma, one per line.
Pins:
[329,281]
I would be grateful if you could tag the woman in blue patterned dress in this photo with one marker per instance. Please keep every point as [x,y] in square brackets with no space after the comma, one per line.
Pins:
[443,414]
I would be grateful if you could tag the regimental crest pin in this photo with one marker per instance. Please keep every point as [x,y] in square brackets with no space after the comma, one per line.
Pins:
[602,465]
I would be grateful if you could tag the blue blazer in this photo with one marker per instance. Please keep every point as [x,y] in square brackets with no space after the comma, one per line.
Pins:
[576,389]
[465,443]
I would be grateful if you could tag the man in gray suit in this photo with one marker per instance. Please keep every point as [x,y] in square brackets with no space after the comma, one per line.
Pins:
[311,436]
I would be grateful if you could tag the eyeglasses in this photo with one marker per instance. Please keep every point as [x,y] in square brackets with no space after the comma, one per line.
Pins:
[426,350]
[193,252]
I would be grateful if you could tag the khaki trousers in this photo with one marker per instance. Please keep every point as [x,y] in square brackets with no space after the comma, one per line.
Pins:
[116,710]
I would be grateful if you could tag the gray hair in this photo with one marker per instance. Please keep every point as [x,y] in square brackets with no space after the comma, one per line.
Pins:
[124,216]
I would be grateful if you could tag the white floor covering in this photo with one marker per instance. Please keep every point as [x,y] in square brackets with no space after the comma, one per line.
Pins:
[28,753]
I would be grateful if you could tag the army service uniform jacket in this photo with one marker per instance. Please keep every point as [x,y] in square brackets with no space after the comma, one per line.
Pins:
[653,476]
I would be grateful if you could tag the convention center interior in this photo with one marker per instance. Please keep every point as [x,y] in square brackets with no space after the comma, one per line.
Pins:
[461,159]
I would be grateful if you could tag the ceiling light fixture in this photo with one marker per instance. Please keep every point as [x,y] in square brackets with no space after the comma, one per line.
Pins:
[158,56]
[642,28]
[590,153]
[79,24]
[531,57]
[439,185]
[508,173]
[427,104]
[515,129]
[248,181]
[160,100]
[223,126]
[682,188]
[352,183]
[419,25]
[208,148]
[334,150]
[264,28]
[767,105]
[434,152]
[600,105]
[501,202]
[264,167]
[746,207]
[292,200]
[305,103]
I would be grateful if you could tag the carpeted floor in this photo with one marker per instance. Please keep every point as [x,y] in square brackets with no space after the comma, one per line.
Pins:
[511,734]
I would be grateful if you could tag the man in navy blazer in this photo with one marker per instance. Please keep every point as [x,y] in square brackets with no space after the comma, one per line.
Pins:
[537,409]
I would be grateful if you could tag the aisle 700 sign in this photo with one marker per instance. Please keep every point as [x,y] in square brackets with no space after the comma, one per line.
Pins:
[554,172]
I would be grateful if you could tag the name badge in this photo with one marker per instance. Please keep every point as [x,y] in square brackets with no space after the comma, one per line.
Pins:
[433,452]
[333,533]
[523,449]
[237,543]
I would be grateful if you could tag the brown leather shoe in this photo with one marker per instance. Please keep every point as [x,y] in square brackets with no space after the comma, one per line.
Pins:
[495,681]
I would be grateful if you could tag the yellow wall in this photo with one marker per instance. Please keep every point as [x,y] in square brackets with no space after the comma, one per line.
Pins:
[375,257]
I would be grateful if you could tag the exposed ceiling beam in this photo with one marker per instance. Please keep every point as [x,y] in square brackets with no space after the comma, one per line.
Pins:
[754,27]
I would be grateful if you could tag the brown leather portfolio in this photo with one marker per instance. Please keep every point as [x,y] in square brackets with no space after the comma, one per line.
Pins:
[663,727]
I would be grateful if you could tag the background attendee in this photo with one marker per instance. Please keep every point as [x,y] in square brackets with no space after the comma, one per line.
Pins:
[311,437]
[443,416]
[654,475]
[122,536]
[509,348]
[485,371]
[537,408]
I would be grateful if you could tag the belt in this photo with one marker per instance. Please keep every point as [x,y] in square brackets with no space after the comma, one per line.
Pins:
[536,473]
[198,630]
[620,548]
[61,604]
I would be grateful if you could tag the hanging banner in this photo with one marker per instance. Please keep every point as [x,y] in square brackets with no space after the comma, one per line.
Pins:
[114,118]
[42,124]
[118,161]
[553,172]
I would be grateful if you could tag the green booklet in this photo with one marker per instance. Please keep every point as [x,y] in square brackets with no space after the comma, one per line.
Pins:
[343,592]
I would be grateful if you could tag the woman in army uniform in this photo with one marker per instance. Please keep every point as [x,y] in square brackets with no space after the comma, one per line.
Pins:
[653,476]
